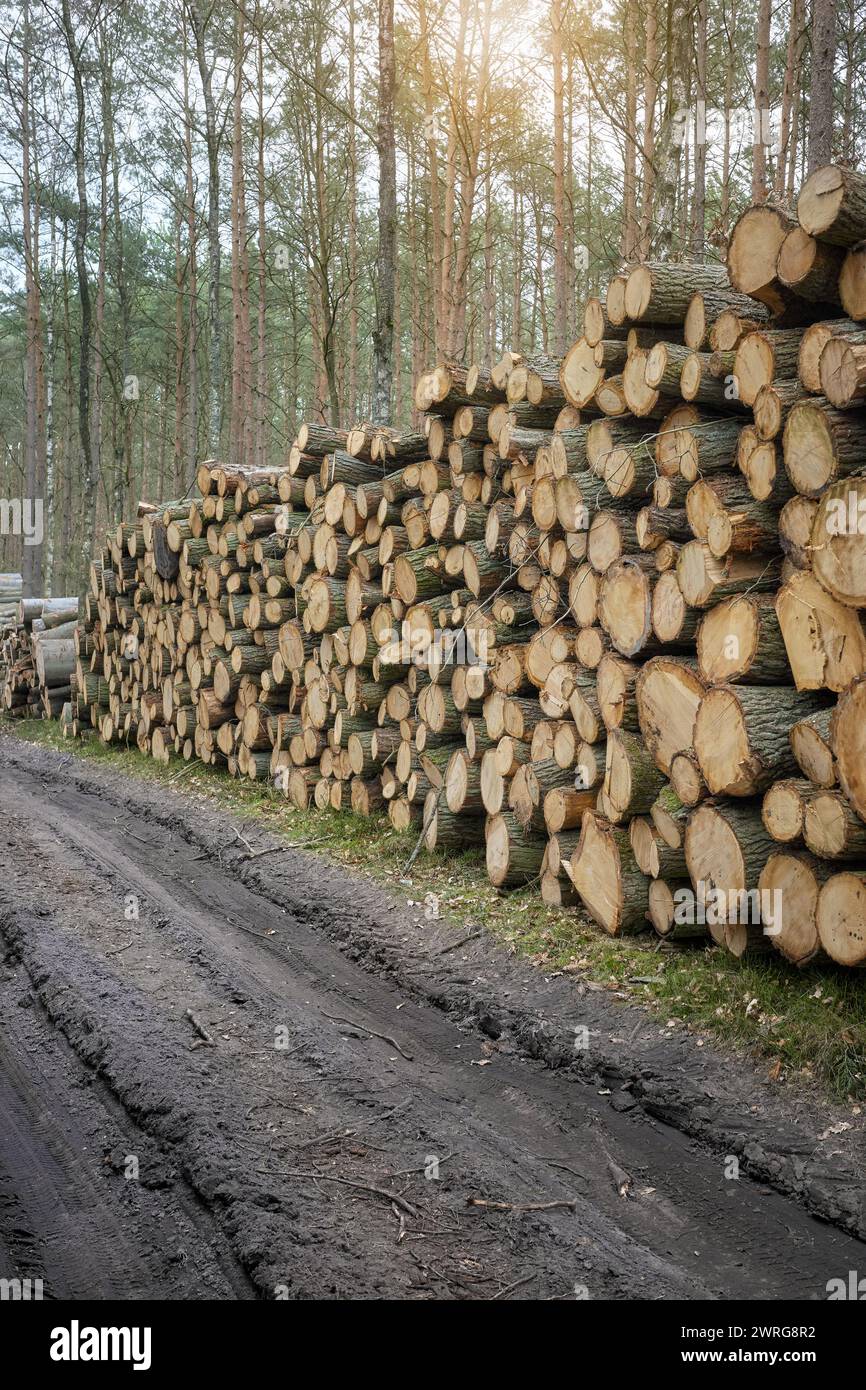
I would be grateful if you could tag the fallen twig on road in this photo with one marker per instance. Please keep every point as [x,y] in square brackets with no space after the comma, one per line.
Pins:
[347,1182]
[204,1037]
[384,1037]
[569,1205]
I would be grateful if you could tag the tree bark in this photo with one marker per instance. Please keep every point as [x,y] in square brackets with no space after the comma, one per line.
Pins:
[822,80]
[88,475]
[199,23]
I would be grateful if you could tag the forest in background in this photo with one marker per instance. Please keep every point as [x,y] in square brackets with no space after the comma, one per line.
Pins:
[222,219]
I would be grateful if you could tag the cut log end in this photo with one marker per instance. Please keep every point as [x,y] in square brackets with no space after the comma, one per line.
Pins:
[841,918]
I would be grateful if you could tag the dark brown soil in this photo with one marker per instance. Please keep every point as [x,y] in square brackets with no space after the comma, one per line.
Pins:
[358,1051]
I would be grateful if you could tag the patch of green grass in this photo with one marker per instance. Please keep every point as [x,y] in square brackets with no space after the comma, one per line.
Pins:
[808,1025]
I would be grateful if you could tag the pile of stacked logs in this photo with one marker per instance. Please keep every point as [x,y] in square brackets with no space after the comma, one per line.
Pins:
[37,657]
[600,616]
[11,589]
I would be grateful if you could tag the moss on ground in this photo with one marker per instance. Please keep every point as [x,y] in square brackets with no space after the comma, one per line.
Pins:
[808,1025]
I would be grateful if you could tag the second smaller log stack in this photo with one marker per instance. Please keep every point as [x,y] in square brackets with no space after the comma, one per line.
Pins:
[37,657]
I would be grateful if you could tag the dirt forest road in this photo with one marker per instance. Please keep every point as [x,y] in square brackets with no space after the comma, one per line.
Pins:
[372,1077]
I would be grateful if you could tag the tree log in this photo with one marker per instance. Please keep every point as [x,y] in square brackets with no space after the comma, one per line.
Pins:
[740,641]
[741,736]
[513,858]
[832,205]
[839,541]
[726,849]
[824,640]
[604,872]
[810,267]
[668,694]
[847,738]
[660,291]
[841,918]
[632,779]
[796,880]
